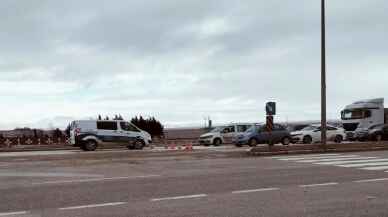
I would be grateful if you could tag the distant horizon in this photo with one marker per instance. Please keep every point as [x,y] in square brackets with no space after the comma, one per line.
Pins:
[181,126]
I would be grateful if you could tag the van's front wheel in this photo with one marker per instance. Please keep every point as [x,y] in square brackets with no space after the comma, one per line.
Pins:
[138,145]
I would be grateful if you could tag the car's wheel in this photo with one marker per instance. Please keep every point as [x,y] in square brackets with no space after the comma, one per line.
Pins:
[379,137]
[82,147]
[138,145]
[307,140]
[362,139]
[253,142]
[89,145]
[338,139]
[217,142]
[286,141]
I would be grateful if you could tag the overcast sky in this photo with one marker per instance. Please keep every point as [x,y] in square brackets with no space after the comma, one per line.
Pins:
[182,60]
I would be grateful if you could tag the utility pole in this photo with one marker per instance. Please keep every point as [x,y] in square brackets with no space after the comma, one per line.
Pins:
[323,75]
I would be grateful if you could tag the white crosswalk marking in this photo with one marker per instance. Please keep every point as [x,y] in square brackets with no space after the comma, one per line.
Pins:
[314,158]
[341,160]
[376,168]
[351,161]
[365,164]
[335,159]
[307,155]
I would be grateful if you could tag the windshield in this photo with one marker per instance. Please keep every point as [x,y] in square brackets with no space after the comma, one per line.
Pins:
[217,129]
[309,128]
[355,114]
[252,129]
[376,126]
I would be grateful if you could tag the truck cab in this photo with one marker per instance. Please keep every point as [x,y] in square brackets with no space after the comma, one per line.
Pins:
[361,115]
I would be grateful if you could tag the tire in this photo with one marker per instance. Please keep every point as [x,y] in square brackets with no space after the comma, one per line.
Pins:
[286,141]
[338,139]
[138,145]
[89,145]
[379,138]
[252,142]
[307,140]
[217,142]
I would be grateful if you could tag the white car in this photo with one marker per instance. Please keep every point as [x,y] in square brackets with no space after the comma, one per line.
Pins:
[223,134]
[88,134]
[312,134]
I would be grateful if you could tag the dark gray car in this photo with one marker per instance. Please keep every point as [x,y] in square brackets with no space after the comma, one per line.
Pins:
[260,135]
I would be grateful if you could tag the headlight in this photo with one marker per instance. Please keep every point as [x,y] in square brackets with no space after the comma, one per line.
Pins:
[206,137]
[296,134]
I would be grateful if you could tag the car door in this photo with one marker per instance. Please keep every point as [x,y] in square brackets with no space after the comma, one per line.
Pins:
[129,132]
[316,134]
[278,133]
[228,133]
[331,132]
[108,132]
[263,136]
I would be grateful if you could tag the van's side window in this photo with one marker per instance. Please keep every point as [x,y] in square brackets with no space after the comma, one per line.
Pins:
[128,127]
[106,125]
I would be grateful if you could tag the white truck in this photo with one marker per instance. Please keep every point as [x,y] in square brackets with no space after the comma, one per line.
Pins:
[362,115]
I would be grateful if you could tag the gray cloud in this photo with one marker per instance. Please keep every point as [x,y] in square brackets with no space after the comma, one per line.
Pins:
[182,60]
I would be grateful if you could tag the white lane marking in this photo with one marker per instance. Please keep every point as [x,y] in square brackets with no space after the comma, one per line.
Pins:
[371,180]
[13,213]
[37,153]
[335,159]
[179,197]
[94,180]
[316,158]
[255,190]
[93,206]
[47,174]
[318,185]
[307,155]
[351,161]
[375,168]
[364,164]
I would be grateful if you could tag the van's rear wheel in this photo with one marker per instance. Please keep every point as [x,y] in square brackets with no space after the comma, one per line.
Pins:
[89,145]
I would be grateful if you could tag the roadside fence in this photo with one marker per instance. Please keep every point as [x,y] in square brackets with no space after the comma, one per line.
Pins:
[26,141]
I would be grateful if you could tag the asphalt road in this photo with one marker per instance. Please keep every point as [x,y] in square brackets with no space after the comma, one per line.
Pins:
[208,182]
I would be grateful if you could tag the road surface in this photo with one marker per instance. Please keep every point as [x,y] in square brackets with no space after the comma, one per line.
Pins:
[118,184]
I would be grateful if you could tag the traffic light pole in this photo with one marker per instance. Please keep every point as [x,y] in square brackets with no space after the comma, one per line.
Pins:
[323,75]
